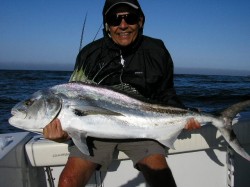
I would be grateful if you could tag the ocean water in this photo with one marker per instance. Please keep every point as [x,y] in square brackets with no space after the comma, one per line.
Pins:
[209,93]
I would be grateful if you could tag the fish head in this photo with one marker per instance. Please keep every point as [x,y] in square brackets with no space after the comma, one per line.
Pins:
[34,113]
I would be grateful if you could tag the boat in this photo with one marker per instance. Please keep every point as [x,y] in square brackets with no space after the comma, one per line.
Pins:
[201,158]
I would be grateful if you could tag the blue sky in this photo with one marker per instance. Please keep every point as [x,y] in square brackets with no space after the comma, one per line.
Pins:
[200,34]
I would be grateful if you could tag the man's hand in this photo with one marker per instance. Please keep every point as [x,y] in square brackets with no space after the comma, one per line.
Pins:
[53,131]
[192,124]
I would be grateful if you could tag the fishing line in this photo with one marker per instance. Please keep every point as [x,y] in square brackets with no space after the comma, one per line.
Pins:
[83,28]
[97,32]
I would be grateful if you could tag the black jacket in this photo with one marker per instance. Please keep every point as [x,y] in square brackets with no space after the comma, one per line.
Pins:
[147,67]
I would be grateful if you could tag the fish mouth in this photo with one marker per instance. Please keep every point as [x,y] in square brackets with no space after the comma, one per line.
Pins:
[19,110]
[18,113]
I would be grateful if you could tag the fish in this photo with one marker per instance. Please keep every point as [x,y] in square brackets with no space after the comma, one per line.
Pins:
[89,110]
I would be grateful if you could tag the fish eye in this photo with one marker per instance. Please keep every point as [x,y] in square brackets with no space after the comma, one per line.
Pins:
[28,102]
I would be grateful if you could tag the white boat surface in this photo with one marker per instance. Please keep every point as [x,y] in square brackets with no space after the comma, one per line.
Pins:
[201,158]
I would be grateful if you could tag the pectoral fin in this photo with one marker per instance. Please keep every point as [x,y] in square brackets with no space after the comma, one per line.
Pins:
[79,139]
[81,145]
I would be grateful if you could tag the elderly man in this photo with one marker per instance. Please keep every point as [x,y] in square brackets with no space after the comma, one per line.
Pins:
[131,62]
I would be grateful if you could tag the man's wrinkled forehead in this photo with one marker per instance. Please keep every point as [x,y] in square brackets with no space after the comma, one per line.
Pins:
[123,8]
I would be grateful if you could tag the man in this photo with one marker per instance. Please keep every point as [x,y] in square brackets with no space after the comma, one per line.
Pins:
[127,60]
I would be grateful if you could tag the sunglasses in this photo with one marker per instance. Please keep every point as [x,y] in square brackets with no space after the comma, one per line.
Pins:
[115,20]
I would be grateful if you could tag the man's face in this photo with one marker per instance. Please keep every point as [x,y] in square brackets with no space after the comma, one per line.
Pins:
[125,33]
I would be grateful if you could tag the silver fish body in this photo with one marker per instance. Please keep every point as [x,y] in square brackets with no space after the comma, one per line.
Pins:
[90,110]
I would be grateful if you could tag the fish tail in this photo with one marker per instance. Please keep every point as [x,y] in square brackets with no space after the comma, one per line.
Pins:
[227,117]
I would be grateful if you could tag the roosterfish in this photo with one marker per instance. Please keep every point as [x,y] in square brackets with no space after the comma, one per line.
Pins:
[88,110]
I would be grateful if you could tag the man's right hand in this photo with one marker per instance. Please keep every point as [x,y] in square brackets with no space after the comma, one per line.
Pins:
[53,131]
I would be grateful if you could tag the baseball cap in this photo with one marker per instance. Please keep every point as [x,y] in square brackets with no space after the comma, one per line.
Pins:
[109,4]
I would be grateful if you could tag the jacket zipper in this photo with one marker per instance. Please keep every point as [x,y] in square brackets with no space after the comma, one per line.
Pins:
[123,65]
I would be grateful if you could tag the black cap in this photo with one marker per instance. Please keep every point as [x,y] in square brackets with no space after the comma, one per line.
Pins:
[109,4]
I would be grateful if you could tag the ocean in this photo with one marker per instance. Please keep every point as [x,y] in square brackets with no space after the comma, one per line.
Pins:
[208,93]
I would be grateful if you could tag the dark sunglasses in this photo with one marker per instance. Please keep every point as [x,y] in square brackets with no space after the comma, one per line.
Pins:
[115,20]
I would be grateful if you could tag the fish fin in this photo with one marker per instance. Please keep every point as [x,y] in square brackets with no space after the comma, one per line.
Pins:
[79,139]
[79,76]
[167,143]
[229,135]
[232,111]
[91,110]
[81,145]
[170,141]
[227,130]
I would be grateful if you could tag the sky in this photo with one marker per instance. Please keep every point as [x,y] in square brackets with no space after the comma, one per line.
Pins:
[202,36]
